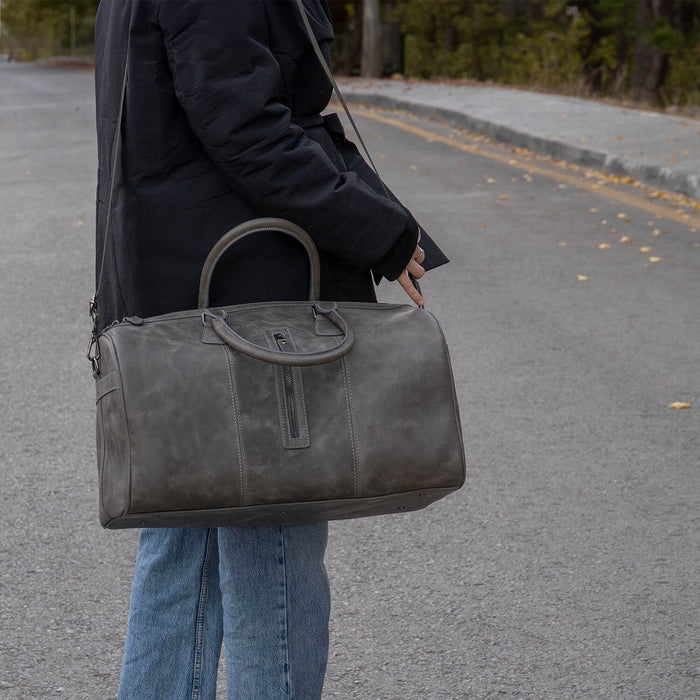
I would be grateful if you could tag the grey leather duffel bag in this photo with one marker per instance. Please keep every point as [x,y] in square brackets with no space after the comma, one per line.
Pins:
[274,413]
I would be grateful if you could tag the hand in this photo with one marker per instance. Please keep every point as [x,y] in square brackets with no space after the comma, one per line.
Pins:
[417,271]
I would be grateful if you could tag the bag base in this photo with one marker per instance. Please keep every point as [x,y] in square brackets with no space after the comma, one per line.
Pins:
[284,513]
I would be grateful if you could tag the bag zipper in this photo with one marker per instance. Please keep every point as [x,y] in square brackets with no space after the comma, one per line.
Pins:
[289,397]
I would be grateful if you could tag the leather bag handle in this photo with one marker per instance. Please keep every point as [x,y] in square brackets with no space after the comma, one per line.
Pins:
[294,359]
[257,226]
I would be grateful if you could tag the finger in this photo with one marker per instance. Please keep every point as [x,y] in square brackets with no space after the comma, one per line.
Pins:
[412,292]
[419,255]
[415,269]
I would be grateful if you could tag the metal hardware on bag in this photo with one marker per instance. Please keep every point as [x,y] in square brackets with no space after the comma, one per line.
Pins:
[210,314]
[93,352]
[318,309]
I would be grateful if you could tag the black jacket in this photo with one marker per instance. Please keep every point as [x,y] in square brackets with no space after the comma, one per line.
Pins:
[221,124]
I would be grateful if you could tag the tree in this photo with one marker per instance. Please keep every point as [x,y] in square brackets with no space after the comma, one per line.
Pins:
[372,64]
[44,27]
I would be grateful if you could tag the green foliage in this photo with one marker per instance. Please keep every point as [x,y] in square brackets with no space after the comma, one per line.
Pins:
[49,27]
[578,46]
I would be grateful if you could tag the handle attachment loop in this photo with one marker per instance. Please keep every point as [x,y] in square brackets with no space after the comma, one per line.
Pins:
[295,359]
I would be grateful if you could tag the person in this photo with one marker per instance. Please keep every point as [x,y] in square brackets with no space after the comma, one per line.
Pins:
[222,124]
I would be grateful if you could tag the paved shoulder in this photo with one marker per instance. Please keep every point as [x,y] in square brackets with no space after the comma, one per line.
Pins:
[657,149]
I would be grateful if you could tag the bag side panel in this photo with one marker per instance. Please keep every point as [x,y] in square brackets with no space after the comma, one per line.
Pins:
[113,452]
[404,403]
[182,418]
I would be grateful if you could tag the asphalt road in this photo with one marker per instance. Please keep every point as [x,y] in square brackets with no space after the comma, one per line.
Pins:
[568,565]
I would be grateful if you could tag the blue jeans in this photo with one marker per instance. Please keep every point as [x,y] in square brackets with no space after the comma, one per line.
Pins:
[264,590]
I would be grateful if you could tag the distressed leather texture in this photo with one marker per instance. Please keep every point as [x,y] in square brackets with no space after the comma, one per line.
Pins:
[193,433]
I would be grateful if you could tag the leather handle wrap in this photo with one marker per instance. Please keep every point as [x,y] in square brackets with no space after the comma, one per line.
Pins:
[294,359]
[257,226]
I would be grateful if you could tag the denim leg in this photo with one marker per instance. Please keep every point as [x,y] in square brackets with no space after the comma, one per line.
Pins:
[175,628]
[276,603]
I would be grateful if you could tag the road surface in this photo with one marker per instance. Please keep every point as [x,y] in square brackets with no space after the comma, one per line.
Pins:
[568,565]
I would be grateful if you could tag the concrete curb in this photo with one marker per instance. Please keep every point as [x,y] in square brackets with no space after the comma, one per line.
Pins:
[648,172]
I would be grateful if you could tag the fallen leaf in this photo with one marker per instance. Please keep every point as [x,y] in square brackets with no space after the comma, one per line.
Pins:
[562,244]
[619,137]
[527,177]
[681,404]
[625,239]
[482,225]
[561,186]
[414,168]
[604,246]
[656,232]
[645,249]
[593,210]
[654,259]
[79,222]
[604,221]
[503,196]
[582,278]
[490,180]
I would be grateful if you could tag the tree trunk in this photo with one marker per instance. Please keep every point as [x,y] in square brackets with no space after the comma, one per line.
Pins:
[650,63]
[371,40]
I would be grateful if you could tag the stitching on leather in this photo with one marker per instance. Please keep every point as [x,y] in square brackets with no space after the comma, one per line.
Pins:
[279,395]
[351,425]
[126,423]
[281,409]
[301,408]
[242,308]
[299,399]
[103,450]
[288,442]
[107,393]
[237,422]
[107,385]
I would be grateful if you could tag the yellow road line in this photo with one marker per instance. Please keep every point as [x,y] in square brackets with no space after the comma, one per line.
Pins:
[658,210]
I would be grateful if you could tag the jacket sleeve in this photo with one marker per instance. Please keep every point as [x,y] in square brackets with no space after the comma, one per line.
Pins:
[230,85]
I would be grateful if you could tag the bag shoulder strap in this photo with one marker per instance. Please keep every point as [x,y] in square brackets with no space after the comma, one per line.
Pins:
[93,351]
[329,75]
